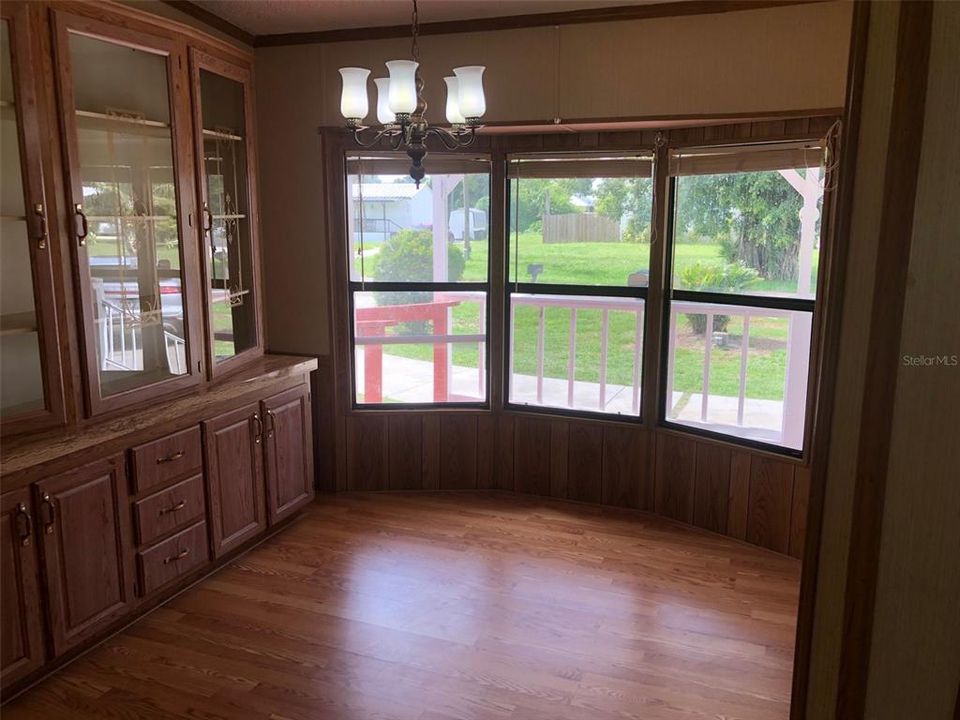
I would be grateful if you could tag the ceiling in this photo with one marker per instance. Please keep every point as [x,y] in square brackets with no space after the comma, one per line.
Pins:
[271,17]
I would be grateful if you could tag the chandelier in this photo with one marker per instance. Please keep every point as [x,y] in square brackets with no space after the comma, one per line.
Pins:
[401,109]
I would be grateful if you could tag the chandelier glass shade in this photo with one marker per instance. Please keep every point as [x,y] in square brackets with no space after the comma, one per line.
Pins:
[401,109]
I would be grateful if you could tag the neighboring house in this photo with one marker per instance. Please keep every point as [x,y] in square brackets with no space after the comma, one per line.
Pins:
[391,207]
[583,203]
[388,208]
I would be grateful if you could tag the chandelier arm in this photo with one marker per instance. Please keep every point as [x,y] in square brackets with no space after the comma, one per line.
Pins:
[385,132]
[449,140]
[454,140]
[473,138]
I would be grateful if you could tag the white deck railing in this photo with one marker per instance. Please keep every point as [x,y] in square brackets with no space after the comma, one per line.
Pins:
[786,421]
[121,341]
[798,346]
[576,303]
[797,357]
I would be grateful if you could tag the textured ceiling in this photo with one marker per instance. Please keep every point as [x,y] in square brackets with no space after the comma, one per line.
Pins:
[269,17]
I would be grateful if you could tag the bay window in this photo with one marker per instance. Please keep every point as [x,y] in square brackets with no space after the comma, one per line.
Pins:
[736,272]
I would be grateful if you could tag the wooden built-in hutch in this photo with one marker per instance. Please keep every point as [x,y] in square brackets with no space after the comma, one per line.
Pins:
[147,437]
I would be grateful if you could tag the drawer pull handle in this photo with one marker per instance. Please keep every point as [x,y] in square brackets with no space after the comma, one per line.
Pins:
[173,508]
[179,556]
[170,458]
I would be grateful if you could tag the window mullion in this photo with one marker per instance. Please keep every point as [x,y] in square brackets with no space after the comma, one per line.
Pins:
[653,380]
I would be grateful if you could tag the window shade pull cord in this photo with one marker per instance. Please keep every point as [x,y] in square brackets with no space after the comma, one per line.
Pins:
[363,273]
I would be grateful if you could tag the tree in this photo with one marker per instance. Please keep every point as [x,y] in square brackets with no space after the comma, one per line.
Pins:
[529,208]
[627,197]
[753,216]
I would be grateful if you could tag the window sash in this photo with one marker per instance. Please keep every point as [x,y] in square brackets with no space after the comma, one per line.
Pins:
[358,343]
[626,300]
[692,302]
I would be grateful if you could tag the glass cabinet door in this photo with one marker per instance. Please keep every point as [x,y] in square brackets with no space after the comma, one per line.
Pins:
[221,91]
[31,394]
[125,102]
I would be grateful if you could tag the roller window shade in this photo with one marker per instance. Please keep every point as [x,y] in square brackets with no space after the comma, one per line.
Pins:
[399,164]
[738,159]
[594,165]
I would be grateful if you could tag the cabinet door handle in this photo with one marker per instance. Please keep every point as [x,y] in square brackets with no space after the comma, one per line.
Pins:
[48,513]
[259,436]
[170,458]
[207,218]
[24,524]
[179,556]
[82,226]
[42,221]
[273,423]
[173,508]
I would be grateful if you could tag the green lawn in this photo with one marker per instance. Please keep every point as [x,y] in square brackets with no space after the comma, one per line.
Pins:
[611,263]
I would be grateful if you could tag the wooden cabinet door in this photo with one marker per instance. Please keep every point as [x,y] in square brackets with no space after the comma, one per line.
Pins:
[84,526]
[31,381]
[21,636]
[288,450]
[233,448]
[125,105]
[226,175]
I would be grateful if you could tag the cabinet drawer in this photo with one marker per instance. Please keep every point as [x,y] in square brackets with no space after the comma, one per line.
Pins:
[169,509]
[163,460]
[175,556]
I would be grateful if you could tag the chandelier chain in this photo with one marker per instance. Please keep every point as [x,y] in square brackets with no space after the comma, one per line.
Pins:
[415,32]
[421,110]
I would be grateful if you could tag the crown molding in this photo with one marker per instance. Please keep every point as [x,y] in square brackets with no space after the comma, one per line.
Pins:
[513,22]
[214,21]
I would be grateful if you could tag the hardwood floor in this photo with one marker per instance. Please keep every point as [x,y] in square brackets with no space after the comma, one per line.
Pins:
[459,606]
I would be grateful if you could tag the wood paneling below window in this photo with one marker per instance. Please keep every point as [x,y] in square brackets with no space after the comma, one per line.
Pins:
[747,495]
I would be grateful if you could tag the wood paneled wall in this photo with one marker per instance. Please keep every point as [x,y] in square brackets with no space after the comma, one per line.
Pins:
[747,495]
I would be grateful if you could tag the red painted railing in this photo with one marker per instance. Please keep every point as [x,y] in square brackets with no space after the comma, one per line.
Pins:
[372,323]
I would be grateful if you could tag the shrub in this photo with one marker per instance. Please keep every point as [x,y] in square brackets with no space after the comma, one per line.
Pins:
[641,235]
[408,257]
[731,277]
